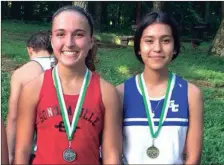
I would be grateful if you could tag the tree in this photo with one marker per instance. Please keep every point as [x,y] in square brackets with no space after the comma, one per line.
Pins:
[158,5]
[218,43]
[104,16]
[16,9]
[5,9]
[138,12]
[207,9]
[222,9]
[83,4]
[28,10]
[98,14]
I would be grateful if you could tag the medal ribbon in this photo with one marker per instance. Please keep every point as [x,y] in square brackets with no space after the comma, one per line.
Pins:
[147,104]
[70,128]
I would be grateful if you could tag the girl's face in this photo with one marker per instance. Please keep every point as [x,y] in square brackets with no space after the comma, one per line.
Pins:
[71,39]
[157,46]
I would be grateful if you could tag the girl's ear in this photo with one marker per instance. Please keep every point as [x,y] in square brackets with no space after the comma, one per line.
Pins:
[30,51]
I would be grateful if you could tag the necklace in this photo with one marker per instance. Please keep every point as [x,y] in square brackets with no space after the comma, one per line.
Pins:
[153,111]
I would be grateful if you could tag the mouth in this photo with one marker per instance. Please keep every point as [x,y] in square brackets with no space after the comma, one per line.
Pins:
[70,54]
[156,57]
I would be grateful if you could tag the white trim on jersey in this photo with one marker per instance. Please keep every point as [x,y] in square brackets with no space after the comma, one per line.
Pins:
[151,98]
[145,119]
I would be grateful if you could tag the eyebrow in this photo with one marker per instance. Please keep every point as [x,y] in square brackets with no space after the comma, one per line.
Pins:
[77,30]
[163,36]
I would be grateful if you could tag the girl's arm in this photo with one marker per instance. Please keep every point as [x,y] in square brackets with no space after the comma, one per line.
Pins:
[112,133]
[26,120]
[195,130]
[4,146]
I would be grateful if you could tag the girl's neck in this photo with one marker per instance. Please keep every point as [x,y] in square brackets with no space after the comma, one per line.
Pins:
[68,74]
[41,53]
[155,77]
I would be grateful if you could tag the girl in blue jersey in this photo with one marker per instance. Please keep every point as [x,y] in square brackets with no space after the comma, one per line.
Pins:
[163,113]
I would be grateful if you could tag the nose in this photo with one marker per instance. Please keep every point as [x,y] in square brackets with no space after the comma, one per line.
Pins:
[157,46]
[69,41]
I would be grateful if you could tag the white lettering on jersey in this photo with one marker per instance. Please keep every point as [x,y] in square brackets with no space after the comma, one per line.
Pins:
[174,107]
[49,111]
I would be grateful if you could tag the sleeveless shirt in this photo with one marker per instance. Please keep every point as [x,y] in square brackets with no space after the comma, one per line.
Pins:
[51,135]
[45,62]
[136,133]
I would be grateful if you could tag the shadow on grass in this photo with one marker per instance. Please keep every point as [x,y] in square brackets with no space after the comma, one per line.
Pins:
[118,65]
[200,68]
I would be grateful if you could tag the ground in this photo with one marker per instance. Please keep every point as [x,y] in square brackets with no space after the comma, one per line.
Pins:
[8,65]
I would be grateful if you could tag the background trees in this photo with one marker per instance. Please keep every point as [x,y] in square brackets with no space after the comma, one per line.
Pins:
[122,17]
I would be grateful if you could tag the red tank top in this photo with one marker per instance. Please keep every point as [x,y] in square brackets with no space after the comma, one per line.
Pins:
[51,135]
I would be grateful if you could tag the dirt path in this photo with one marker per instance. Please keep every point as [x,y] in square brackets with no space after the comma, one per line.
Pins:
[201,83]
[8,65]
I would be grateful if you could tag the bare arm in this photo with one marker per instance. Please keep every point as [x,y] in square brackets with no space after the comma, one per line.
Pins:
[120,90]
[15,88]
[4,147]
[112,133]
[26,120]
[195,130]
[19,78]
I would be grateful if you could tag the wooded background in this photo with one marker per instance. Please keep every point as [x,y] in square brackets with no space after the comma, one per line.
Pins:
[202,20]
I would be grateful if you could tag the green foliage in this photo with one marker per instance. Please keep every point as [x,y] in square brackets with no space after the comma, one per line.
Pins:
[5,94]
[108,64]
[123,14]
[213,126]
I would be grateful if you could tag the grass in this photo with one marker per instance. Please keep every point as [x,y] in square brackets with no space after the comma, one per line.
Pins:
[117,65]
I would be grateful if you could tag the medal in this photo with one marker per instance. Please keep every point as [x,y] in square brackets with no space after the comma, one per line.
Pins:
[152,151]
[69,154]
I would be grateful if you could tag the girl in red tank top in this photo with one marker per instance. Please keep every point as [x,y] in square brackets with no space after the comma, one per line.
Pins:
[73,110]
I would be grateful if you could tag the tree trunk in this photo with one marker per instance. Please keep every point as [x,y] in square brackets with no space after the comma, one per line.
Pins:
[158,5]
[91,8]
[83,4]
[16,9]
[119,15]
[207,9]
[28,10]
[5,9]
[138,12]
[222,9]
[218,43]
[104,15]
[98,14]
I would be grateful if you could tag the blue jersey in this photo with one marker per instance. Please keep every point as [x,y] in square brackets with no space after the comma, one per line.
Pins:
[136,133]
